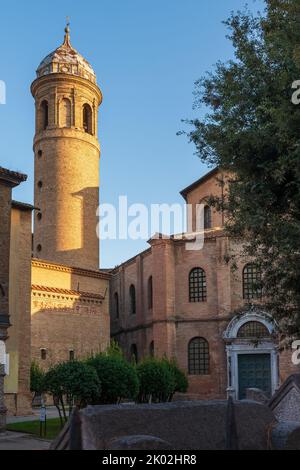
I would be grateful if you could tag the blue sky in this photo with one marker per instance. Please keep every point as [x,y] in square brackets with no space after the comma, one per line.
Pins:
[147,56]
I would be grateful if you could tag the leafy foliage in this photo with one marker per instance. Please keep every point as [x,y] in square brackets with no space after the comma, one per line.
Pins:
[181,381]
[251,131]
[37,379]
[73,381]
[118,378]
[157,380]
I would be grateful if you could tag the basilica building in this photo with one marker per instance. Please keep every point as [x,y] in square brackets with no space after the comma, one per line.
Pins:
[57,305]
[192,306]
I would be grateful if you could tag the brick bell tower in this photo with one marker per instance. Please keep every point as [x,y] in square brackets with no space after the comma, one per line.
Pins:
[67,157]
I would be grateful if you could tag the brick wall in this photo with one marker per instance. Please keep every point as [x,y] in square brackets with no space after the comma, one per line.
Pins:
[174,320]
[17,383]
[63,319]
[66,174]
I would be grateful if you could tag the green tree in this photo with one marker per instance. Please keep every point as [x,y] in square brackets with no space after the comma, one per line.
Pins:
[54,386]
[251,130]
[180,379]
[114,349]
[157,381]
[118,378]
[74,383]
[37,379]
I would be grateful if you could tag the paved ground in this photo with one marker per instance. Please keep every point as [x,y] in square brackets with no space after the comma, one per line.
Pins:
[51,413]
[20,441]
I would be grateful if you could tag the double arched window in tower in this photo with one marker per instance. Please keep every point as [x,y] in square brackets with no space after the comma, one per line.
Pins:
[87,119]
[65,113]
[43,115]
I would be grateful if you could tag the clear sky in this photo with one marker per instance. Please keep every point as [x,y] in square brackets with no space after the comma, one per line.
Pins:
[147,56]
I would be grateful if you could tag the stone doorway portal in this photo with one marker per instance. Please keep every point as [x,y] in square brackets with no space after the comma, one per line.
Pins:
[252,356]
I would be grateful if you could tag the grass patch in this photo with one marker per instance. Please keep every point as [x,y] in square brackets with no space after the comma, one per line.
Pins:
[33,427]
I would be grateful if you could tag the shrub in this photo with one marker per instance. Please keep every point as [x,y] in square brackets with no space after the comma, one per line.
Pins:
[181,381]
[157,382]
[75,381]
[114,349]
[81,383]
[37,379]
[118,378]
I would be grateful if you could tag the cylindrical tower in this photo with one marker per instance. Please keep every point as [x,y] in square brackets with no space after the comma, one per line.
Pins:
[67,157]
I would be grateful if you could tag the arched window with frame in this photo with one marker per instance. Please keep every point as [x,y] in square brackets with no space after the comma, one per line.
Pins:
[207,218]
[198,356]
[65,113]
[87,117]
[116,305]
[150,293]
[132,297]
[252,282]
[44,115]
[197,285]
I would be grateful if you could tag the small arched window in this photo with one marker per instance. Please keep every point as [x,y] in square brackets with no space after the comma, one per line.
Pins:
[65,113]
[87,119]
[198,357]
[207,218]
[134,352]
[197,285]
[150,293]
[44,115]
[132,298]
[253,329]
[71,355]
[116,302]
[151,349]
[252,288]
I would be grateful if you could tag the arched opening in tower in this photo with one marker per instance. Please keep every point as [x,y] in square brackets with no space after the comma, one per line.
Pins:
[87,119]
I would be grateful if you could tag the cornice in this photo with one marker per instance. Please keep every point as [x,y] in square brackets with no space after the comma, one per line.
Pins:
[214,319]
[66,292]
[58,133]
[64,78]
[69,269]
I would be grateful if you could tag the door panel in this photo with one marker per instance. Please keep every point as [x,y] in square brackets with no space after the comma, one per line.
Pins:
[254,372]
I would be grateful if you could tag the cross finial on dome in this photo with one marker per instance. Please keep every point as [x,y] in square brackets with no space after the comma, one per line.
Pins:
[67,33]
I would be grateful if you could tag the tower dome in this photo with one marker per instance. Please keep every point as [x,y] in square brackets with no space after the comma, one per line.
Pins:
[65,59]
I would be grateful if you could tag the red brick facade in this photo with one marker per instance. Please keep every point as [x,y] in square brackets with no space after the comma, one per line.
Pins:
[173,321]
